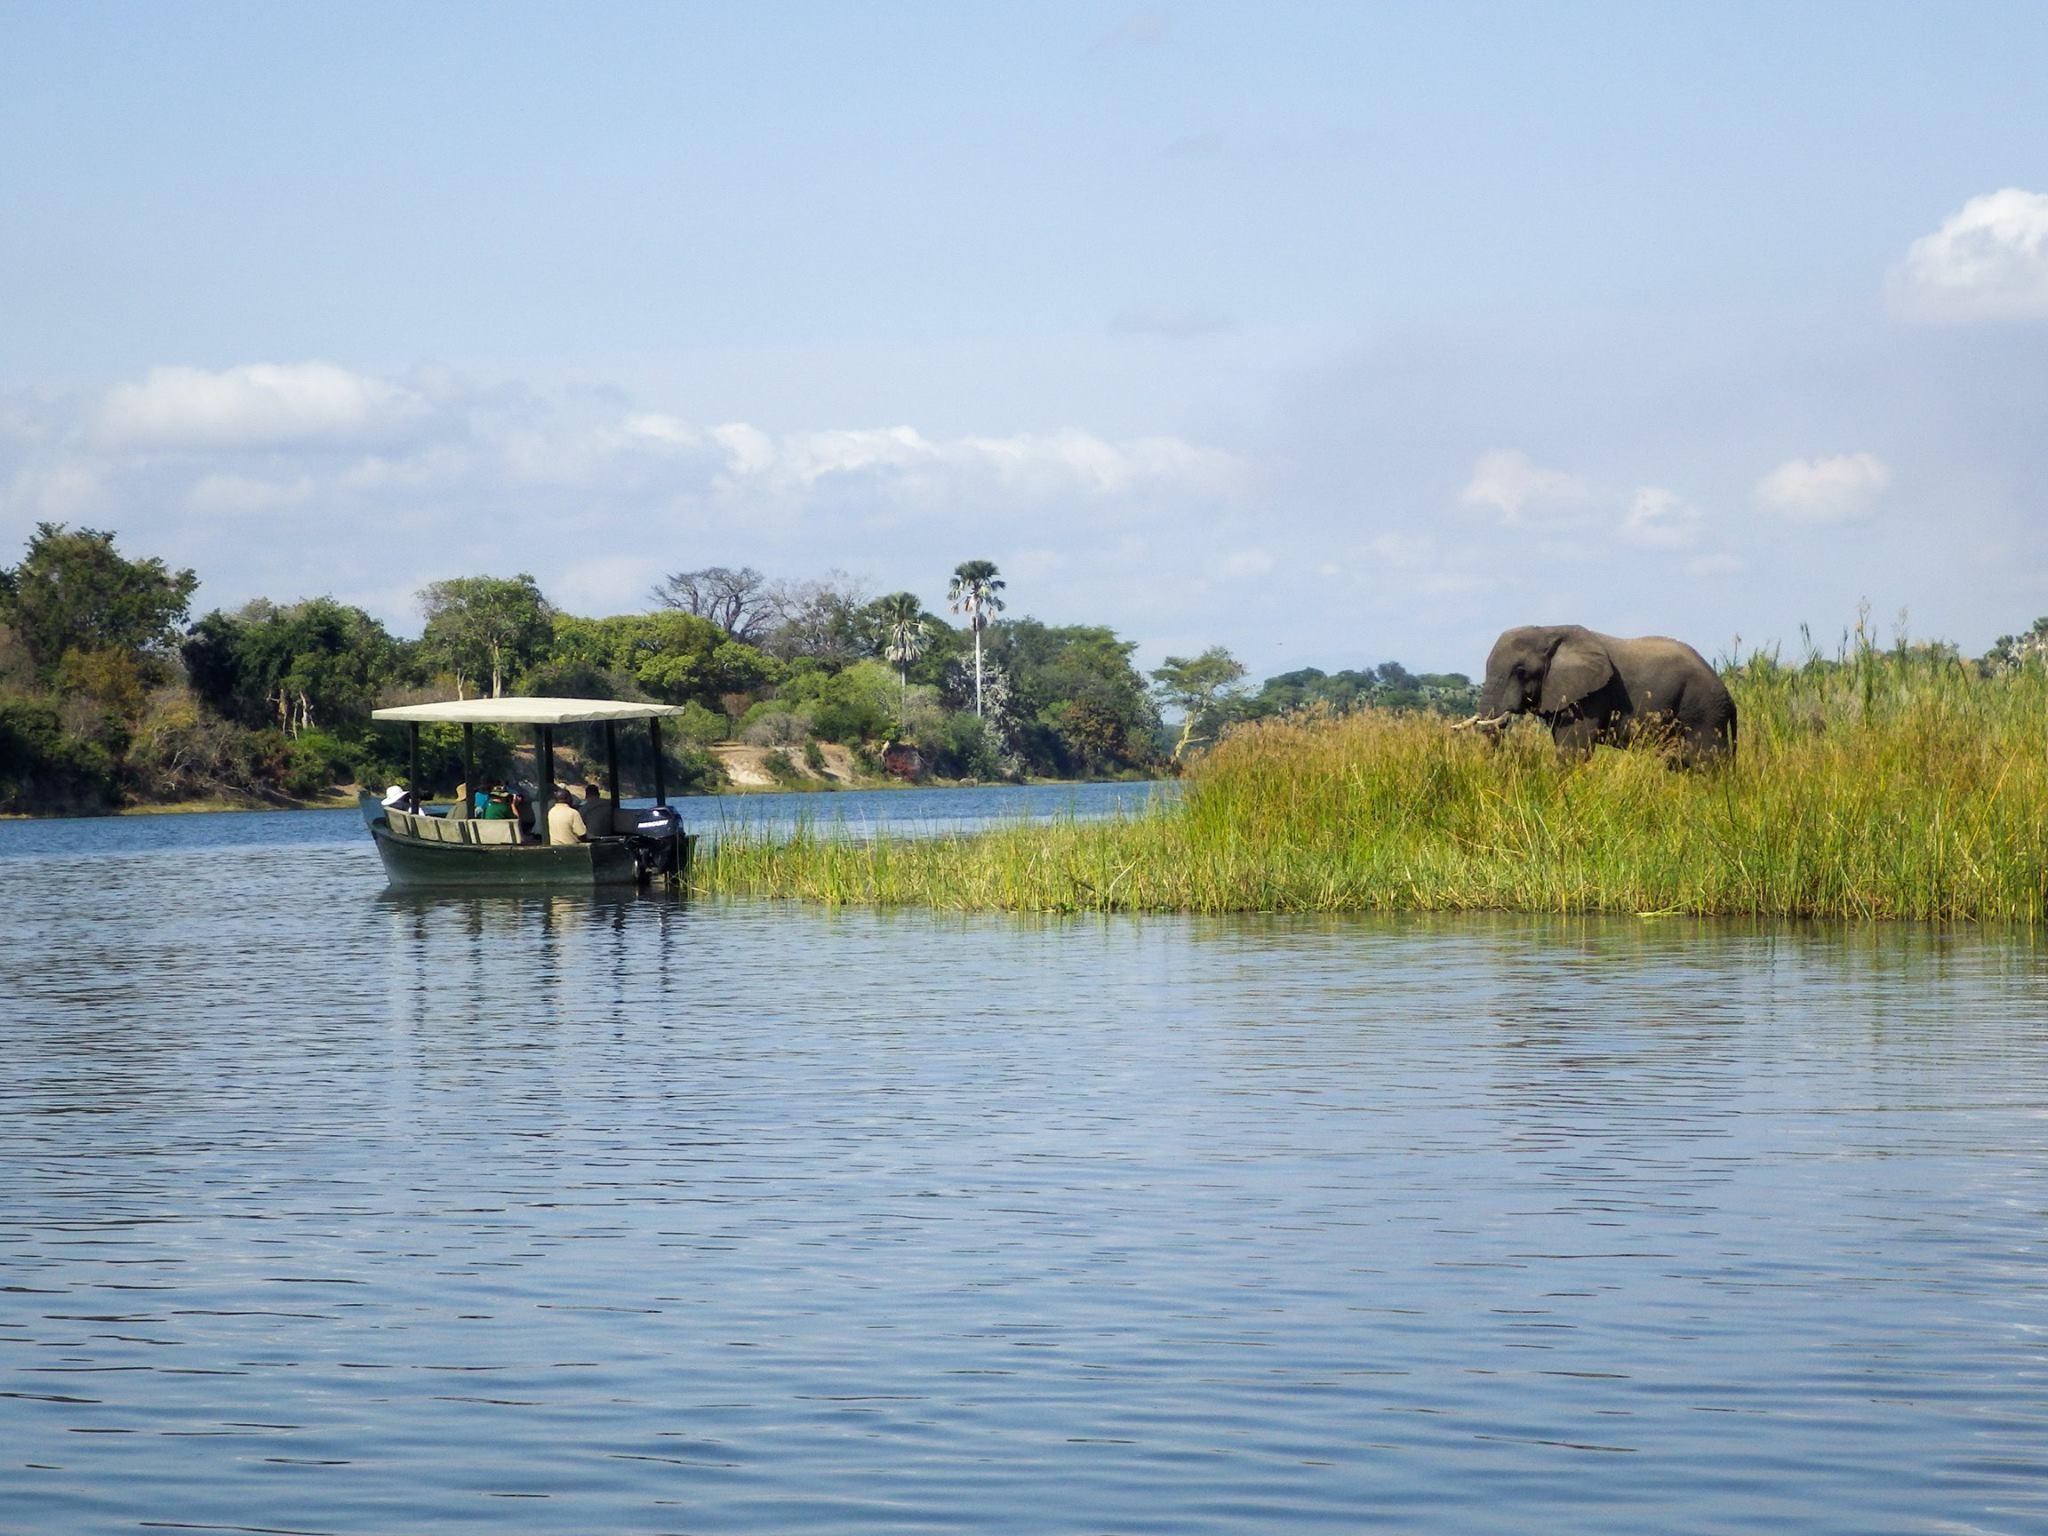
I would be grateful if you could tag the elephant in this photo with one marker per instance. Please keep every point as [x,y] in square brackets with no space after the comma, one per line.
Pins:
[1591,688]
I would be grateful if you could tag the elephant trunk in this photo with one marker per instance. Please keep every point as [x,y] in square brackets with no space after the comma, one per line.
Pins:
[1493,703]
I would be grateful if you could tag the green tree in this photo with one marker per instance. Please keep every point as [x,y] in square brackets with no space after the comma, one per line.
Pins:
[482,627]
[73,591]
[973,591]
[319,663]
[671,656]
[904,632]
[1051,667]
[1197,686]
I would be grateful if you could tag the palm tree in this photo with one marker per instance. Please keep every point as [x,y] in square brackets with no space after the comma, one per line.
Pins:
[903,615]
[973,591]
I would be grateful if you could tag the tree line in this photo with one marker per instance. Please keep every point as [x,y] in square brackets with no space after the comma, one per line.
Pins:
[111,693]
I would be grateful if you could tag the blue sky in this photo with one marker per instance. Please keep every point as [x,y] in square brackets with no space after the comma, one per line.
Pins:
[1330,333]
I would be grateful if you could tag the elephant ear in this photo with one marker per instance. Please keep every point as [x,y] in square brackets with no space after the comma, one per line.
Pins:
[1577,667]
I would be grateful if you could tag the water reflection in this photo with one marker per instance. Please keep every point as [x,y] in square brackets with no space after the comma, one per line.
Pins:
[333,1210]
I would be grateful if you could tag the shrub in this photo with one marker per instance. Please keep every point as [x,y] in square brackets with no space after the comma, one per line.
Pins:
[44,769]
[773,728]
[964,746]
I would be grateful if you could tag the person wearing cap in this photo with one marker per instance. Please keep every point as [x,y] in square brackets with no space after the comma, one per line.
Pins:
[565,823]
[498,805]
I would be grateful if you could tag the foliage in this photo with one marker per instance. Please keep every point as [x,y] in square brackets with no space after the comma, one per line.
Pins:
[829,621]
[697,726]
[73,591]
[1885,784]
[2010,652]
[671,657]
[44,768]
[1075,704]
[901,617]
[780,767]
[316,663]
[485,628]
[1386,686]
[1199,687]
[973,590]
[965,746]
[856,704]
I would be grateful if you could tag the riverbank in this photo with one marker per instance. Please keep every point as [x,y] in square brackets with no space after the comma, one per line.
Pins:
[1890,785]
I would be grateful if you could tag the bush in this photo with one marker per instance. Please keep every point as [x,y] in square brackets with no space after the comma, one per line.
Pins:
[698,726]
[44,769]
[780,768]
[315,762]
[814,757]
[773,728]
[963,746]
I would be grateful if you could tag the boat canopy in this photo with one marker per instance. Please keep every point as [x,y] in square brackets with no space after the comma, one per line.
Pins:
[524,712]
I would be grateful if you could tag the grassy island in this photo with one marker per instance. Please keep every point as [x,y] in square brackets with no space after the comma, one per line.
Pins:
[1903,783]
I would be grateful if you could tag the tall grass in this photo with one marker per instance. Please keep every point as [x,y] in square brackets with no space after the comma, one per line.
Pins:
[1883,784]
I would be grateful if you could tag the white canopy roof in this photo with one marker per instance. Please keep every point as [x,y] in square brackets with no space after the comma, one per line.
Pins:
[524,711]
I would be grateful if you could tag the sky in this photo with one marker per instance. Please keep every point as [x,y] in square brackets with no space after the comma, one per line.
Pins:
[1333,334]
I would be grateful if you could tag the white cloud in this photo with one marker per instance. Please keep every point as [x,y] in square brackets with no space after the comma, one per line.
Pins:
[1828,490]
[1988,261]
[229,493]
[1660,519]
[1518,488]
[256,405]
[606,584]
[748,459]
[57,492]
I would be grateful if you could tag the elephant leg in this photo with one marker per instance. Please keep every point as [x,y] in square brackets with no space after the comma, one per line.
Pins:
[1575,738]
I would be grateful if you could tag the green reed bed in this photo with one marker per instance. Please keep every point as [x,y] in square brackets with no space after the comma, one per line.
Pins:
[1888,785]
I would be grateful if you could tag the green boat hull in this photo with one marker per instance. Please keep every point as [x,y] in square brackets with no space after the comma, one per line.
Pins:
[412,863]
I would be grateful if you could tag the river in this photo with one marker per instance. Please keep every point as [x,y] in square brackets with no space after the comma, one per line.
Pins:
[327,1211]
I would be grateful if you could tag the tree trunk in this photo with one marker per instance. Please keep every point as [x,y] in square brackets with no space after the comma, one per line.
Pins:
[977,672]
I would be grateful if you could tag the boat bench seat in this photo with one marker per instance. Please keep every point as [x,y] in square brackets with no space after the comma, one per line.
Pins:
[493,834]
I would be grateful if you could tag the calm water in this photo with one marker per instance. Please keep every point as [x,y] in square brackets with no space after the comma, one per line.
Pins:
[325,1211]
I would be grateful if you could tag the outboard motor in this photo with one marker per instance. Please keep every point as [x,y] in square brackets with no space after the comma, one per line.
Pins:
[658,844]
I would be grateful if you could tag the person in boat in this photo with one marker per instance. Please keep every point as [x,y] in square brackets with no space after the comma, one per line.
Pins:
[597,811]
[398,798]
[498,805]
[565,822]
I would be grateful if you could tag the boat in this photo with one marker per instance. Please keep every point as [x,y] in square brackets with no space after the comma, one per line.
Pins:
[455,850]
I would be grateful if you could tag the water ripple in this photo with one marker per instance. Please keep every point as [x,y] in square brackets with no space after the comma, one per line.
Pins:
[331,1212]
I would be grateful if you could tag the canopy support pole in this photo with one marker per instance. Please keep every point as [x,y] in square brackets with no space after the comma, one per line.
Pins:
[611,768]
[412,777]
[468,806]
[660,775]
[547,782]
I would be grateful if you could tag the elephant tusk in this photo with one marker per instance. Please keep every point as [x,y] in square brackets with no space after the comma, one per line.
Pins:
[1476,723]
